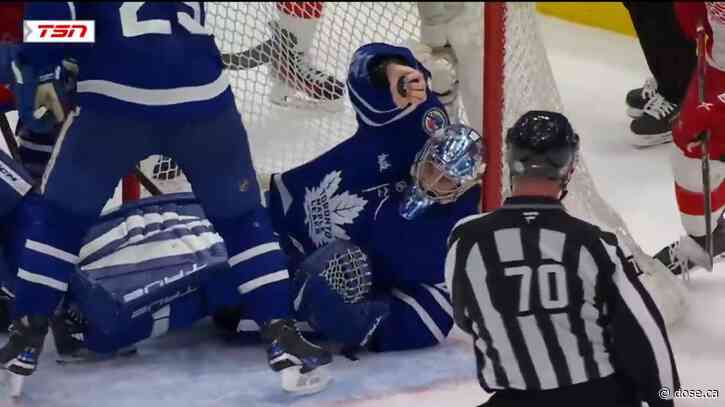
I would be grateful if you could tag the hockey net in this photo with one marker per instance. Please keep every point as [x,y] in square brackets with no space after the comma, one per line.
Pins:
[518,78]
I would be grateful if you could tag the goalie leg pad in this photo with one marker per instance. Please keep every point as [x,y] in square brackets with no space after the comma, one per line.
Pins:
[144,271]
[334,294]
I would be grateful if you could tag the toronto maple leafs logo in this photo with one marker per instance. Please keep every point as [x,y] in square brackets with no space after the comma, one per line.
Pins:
[327,211]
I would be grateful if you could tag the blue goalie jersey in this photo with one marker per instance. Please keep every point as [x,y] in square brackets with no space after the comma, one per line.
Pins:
[149,58]
[353,191]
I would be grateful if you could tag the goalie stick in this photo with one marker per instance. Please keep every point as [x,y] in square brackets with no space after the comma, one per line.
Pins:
[705,138]
[146,182]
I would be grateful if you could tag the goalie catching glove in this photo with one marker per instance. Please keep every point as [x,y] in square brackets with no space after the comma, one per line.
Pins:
[334,294]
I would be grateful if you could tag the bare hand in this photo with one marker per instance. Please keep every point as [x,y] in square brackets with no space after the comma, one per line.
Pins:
[412,84]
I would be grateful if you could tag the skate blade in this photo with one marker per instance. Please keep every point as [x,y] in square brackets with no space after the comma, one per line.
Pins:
[87,356]
[298,383]
[303,103]
[12,384]
[634,113]
[650,140]
[284,95]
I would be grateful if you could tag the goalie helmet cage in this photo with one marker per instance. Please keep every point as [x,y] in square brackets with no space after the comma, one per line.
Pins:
[517,78]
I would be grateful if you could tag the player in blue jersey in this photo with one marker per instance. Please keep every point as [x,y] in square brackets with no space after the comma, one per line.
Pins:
[365,224]
[166,93]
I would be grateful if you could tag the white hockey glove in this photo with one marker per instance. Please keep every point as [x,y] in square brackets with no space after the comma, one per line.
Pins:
[441,64]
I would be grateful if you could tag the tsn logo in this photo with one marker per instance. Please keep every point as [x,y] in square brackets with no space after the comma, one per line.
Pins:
[59,31]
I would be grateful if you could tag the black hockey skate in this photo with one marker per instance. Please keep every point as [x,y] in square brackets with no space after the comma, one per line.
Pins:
[637,98]
[27,335]
[655,125]
[69,328]
[6,302]
[300,362]
[689,252]
[294,72]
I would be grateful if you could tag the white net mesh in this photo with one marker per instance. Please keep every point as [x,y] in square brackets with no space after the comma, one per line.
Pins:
[529,85]
[348,273]
[289,132]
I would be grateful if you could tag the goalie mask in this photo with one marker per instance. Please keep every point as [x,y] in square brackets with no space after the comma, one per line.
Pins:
[450,163]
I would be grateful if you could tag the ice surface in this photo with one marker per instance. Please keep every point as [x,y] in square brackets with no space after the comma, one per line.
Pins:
[594,69]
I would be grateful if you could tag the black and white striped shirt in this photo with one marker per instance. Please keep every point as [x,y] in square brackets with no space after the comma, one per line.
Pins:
[552,301]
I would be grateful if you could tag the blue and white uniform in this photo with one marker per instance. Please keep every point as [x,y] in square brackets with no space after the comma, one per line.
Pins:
[151,84]
[353,192]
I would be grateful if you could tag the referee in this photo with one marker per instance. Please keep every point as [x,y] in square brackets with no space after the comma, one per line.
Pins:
[557,313]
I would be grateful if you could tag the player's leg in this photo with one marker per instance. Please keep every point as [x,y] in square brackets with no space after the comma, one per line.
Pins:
[15,184]
[687,170]
[215,157]
[456,28]
[689,251]
[92,153]
[292,39]
[671,58]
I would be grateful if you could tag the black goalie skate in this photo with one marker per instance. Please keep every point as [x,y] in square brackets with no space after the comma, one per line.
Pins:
[300,362]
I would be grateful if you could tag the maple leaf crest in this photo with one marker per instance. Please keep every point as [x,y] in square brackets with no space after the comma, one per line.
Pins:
[326,212]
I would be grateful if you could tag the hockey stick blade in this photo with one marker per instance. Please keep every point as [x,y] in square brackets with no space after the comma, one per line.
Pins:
[262,53]
[147,183]
[248,59]
[705,160]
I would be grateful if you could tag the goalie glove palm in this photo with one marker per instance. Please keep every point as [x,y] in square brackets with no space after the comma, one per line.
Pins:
[334,294]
